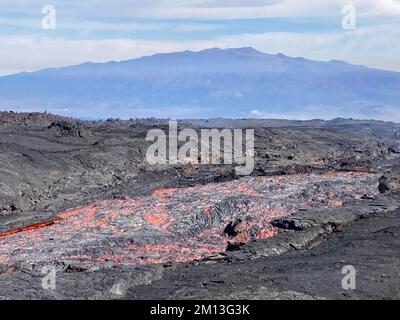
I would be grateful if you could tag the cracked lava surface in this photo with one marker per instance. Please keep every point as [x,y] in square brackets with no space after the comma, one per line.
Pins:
[178,225]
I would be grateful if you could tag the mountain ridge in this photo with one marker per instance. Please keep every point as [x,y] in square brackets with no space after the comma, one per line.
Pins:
[215,82]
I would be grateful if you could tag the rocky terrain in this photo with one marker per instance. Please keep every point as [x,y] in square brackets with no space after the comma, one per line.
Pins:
[79,196]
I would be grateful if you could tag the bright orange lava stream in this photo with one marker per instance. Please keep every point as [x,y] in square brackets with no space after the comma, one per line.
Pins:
[29,228]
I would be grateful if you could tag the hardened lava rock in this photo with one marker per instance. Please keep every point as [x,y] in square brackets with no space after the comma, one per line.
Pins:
[389,182]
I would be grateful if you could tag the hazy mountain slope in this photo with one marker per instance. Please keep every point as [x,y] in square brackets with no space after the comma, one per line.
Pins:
[209,83]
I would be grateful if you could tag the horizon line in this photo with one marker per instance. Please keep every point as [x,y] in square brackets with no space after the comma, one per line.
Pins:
[198,51]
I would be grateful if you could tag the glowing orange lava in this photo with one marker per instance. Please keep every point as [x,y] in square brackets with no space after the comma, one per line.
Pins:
[29,228]
[178,225]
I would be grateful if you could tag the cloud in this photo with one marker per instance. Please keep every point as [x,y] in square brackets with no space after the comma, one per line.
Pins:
[196,27]
[203,9]
[25,47]
[47,52]
[242,9]
[372,46]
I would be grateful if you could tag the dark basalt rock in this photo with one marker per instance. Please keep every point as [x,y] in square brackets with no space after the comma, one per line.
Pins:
[389,183]
[288,224]
[67,129]
[395,148]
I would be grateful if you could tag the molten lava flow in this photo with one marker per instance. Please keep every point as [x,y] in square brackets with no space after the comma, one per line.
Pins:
[155,219]
[29,228]
[163,192]
[337,204]
[179,224]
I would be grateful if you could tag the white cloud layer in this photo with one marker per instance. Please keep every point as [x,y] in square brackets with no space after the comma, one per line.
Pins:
[375,46]
[372,46]
[205,9]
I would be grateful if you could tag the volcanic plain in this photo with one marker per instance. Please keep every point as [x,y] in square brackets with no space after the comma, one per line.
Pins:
[79,198]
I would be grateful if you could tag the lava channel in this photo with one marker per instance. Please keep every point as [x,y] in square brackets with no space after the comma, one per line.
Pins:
[179,225]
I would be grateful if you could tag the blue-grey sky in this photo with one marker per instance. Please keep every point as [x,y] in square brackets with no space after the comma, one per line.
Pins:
[97,30]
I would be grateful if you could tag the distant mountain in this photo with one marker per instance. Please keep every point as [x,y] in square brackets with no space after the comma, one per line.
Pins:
[210,83]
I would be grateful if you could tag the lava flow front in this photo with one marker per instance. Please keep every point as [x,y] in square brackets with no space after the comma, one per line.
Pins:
[178,225]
